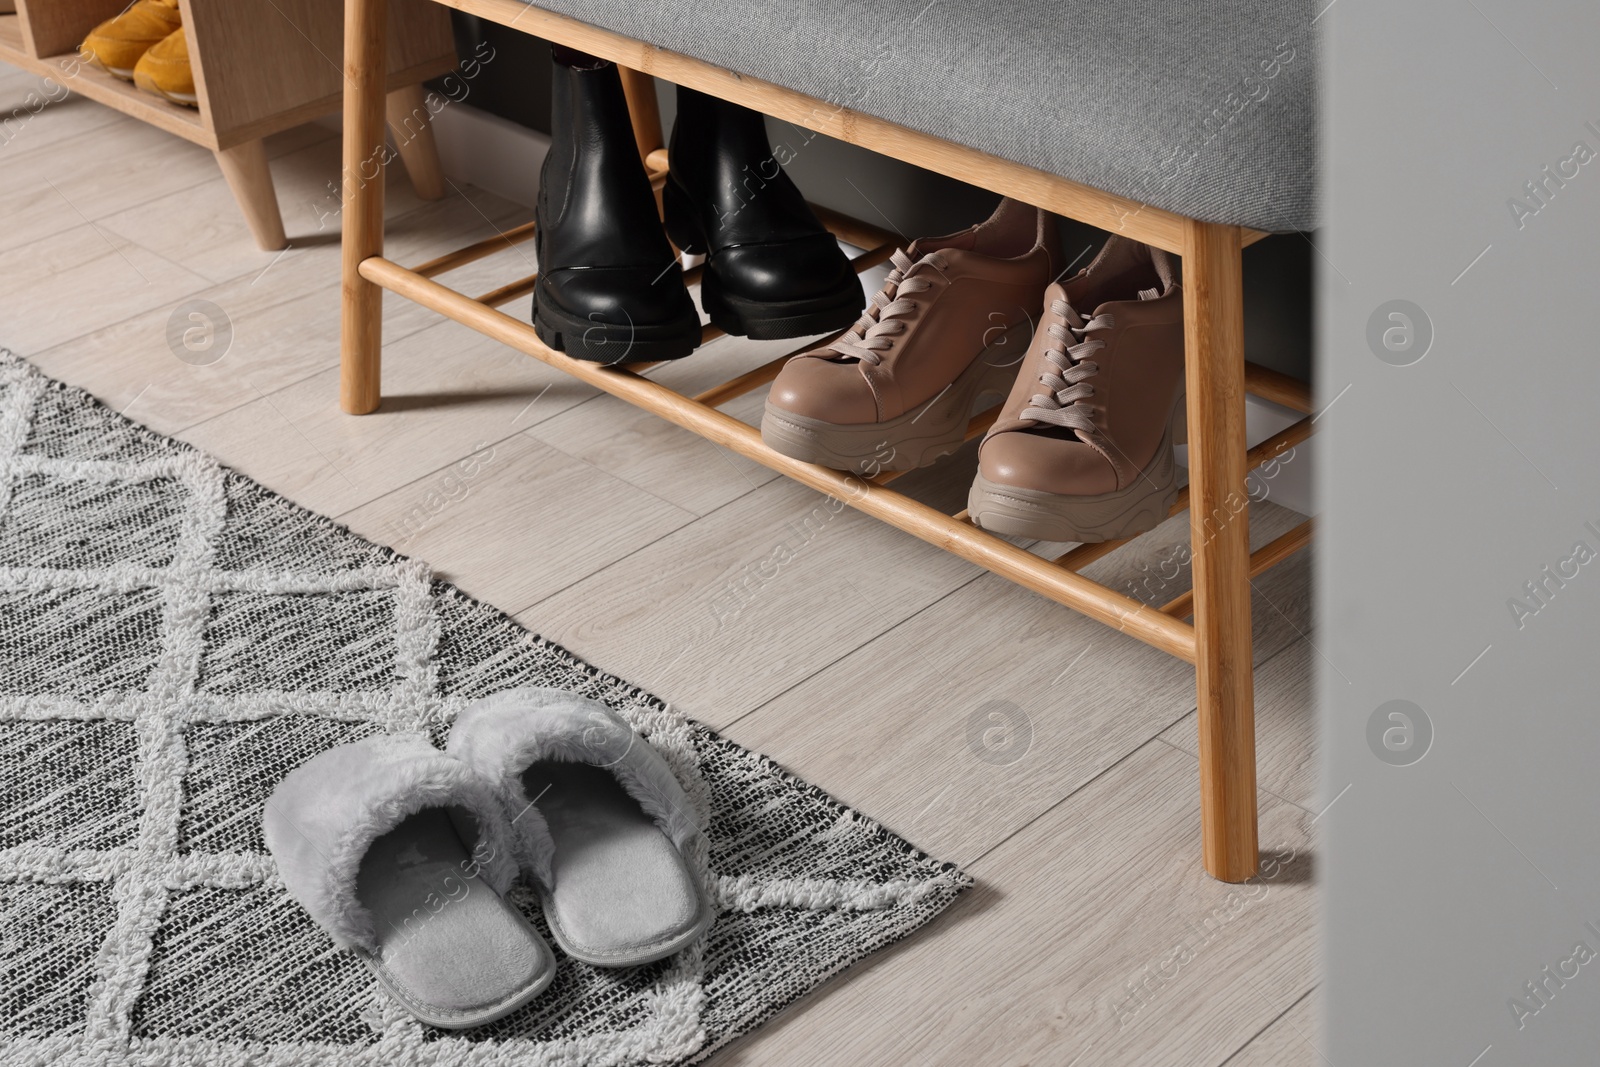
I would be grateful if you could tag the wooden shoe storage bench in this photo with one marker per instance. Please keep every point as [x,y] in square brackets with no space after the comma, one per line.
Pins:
[1218,377]
[260,66]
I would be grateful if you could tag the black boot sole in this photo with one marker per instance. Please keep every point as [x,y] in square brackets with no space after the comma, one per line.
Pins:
[760,320]
[773,320]
[610,343]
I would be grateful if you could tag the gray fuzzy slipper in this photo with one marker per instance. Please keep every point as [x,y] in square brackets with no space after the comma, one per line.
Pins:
[599,822]
[402,854]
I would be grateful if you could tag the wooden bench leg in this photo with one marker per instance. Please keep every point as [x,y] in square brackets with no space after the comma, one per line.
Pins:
[640,90]
[245,168]
[1213,311]
[410,122]
[361,186]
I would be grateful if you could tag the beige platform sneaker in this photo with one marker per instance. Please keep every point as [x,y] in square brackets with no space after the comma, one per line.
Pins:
[949,325]
[1082,450]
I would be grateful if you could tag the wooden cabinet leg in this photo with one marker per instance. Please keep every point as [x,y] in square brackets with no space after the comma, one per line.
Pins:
[361,187]
[245,168]
[412,126]
[1219,526]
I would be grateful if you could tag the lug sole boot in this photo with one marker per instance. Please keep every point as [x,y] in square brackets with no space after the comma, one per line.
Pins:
[1082,451]
[772,269]
[610,289]
[949,326]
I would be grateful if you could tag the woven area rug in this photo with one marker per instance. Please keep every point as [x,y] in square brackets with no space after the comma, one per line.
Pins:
[174,638]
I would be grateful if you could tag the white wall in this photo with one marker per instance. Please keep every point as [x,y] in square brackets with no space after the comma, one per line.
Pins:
[1454,474]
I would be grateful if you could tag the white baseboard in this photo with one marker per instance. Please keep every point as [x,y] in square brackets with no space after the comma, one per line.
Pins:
[1286,481]
[492,153]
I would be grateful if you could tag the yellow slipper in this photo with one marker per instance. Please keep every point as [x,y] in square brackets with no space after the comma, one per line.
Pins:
[164,70]
[116,44]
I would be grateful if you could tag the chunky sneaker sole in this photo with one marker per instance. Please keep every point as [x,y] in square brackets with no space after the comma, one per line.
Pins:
[1042,516]
[926,433]
[186,99]
[609,343]
[148,85]
[125,73]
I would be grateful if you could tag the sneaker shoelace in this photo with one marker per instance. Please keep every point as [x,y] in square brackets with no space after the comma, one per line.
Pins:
[875,331]
[1067,370]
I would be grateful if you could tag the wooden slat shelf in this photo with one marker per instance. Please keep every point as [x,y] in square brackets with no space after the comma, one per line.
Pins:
[1261,560]
[123,96]
[698,414]
[1095,600]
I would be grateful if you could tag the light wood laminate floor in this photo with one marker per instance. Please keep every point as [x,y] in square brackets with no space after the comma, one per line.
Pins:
[862,663]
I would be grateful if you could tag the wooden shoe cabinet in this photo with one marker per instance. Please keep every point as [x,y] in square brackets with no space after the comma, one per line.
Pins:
[260,66]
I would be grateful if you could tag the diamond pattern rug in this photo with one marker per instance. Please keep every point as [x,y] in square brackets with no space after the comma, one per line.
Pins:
[174,638]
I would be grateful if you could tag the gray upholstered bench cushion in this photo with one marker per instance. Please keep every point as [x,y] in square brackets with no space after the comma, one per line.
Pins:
[1202,107]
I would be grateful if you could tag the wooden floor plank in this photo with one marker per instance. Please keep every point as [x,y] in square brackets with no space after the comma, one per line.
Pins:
[79,279]
[448,392]
[284,323]
[964,723]
[1093,937]
[37,115]
[650,452]
[508,524]
[89,175]
[1286,727]
[729,611]
[1291,1041]
[213,240]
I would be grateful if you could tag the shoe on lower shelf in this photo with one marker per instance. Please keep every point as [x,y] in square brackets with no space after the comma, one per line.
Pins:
[165,71]
[949,325]
[1082,451]
[610,287]
[117,44]
[772,269]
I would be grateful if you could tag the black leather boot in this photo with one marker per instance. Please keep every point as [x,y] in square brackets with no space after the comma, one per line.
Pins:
[772,270]
[610,289]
